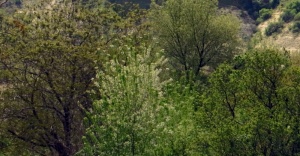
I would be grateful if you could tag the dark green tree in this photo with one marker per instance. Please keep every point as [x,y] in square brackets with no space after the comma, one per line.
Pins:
[48,57]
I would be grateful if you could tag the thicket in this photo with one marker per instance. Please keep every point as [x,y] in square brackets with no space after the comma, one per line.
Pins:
[92,79]
[291,10]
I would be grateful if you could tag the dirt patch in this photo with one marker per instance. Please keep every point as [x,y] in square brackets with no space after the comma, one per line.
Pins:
[288,40]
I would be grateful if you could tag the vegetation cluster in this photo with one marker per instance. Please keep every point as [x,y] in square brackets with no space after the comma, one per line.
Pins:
[291,14]
[92,78]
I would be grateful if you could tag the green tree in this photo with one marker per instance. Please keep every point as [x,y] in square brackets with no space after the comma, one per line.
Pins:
[194,34]
[139,113]
[128,118]
[252,106]
[180,137]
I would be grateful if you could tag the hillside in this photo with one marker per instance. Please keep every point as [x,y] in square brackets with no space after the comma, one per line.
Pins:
[246,10]
[286,37]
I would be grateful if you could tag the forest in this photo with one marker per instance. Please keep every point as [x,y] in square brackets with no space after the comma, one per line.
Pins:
[158,78]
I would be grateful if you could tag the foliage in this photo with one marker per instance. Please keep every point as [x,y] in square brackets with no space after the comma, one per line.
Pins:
[273,28]
[181,129]
[91,78]
[294,5]
[291,10]
[266,4]
[254,6]
[264,14]
[288,15]
[297,17]
[138,114]
[295,28]
[123,122]
[194,35]
[252,106]
[142,4]
[48,60]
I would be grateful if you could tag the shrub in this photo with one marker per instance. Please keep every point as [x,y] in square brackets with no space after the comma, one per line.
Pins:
[264,14]
[275,3]
[273,27]
[294,5]
[295,27]
[297,17]
[288,15]
[291,11]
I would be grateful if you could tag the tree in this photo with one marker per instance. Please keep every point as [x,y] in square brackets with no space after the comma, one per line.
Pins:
[253,106]
[194,34]
[180,132]
[129,117]
[48,59]
[139,113]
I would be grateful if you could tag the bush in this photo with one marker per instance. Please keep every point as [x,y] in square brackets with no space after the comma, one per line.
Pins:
[273,27]
[275,3]
[294,5]
[264,14]
[288,15]
[254,6]
[297,17]
[295,27]
[292,11]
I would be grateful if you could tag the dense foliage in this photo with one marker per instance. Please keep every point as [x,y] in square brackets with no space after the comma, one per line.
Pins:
[48,60]
[94,78]
[252,108]
[47,63]
[195,35]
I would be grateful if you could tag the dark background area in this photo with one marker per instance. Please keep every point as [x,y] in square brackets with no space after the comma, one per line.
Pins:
[142,3]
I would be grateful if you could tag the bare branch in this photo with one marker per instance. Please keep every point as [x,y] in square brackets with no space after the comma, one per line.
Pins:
[2,3]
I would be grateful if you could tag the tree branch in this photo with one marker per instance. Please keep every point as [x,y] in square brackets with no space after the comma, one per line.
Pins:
[26,139]
[2,3]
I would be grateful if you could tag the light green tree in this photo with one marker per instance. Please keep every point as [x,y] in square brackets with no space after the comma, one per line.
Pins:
[139,114]
[129,117]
